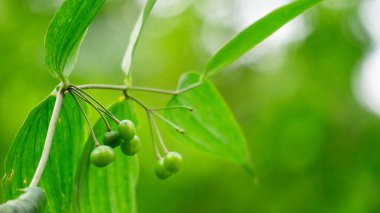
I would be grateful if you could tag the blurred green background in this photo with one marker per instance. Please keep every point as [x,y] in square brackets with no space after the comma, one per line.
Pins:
[314,146]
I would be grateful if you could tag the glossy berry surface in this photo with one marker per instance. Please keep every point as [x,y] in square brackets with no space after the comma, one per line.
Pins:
[131,147]
[102,155]
[161,171]
[127,129]
[173,161]
[112,139]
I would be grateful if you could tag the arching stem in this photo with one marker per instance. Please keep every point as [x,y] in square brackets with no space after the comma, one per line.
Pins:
[49,137]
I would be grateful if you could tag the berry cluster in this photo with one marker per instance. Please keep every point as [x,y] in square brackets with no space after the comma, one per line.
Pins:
[125,137]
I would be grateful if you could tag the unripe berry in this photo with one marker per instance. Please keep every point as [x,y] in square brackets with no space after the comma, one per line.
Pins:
[102,155]
[127,129]
[112,139]
[173,161]
[161,171]
[131,147]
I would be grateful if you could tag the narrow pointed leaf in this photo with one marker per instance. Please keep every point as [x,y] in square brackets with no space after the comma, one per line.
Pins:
[256,33]
[211,127]
[25,152]
[112,188]
[135,36]
[65,35]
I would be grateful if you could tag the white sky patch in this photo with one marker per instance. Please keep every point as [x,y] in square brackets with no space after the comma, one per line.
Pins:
[368,81]
[168,8]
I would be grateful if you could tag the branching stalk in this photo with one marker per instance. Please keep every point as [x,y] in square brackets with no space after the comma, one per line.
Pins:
[49,138]
[152,135]
[175,126]
[166,151]
[142,89]
[146,108]
[164,92]
[87,120]
[102,86]
[151,121]
[96,108]
[97,102]
[172,107]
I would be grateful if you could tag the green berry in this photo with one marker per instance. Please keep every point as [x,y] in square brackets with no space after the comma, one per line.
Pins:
[131,147]
[112,139]
[102,155]
[173,161]
[127,129]
[161,171]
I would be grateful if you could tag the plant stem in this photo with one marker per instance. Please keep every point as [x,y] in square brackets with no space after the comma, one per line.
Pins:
[85,116]
[164,92]
[138,102]
[142,89]
[175,126]
[152,135]
[95,107]
[49,137]
[172,107]
[102,86]
[166,151]
[97,102]
[151,121]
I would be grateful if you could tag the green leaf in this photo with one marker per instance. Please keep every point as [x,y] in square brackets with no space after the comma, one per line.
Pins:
[135,36]
[256,33]
[211,127]
[65,35]
[25,152]
[109,189]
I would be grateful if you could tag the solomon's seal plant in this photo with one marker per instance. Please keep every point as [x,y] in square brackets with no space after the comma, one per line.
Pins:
[54,136]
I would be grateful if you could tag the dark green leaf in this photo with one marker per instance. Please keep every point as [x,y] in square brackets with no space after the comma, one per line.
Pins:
[256,33]
[135,36]
[65,35]
[211,127]
[23,157]
[32,200]
[109,189]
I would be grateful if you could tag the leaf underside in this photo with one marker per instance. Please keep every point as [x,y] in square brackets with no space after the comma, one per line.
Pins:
[256,33]
[25,152]
[112,188]
[65,35]
[211,127]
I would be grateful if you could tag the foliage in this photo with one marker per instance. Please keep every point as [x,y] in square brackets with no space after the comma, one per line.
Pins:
[211,128]
[256,33]
[65,35]
[26,150]
[218,134]
[117,181]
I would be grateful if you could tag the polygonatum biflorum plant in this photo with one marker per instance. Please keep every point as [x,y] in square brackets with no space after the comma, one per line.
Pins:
[54,136]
